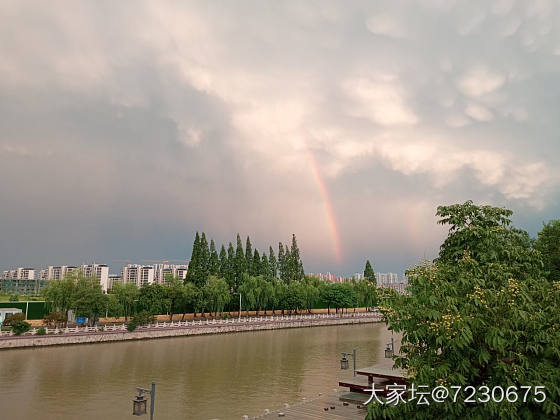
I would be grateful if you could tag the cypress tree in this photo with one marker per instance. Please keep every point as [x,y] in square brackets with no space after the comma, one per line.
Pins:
[204,261]
[369,274]
[273,263]
[281,259]
[256,264]
[248,256]
[214,262]
[192,270]
[230,276]
[287,265]
[223,262]
[265,266]
[296,265]
[240,264]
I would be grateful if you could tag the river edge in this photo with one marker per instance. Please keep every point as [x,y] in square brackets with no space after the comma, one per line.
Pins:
[167,332]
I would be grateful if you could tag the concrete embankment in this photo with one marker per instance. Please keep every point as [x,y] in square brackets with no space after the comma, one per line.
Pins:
[12,342]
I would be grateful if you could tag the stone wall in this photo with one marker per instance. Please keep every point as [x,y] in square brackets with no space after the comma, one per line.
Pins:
[101,337]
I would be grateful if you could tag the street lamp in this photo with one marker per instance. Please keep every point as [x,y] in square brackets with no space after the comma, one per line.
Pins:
[390,349]
[139,404]
[344,360]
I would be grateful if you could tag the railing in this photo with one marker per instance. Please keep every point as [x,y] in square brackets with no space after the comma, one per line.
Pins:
[200,323]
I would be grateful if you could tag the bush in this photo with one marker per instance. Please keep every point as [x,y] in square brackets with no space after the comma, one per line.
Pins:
[55,319]
[14,298]
[143,318]
[20,327]
[11,319]
[131,326]
[41,331]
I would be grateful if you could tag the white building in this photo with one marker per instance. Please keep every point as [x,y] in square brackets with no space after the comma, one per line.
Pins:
[138,274]
[19,273]
[162,271]
[58,272]
[100,271]
[386,278]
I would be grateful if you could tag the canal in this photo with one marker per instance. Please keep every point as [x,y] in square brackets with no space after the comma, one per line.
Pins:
[204,377]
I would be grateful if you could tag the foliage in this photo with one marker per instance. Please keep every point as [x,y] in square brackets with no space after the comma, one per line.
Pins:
[216,294]
[141,318]
[14,297]
[13,318]
[369,274]
[548,243]
[481,315]
[337,295]
[59,294]
[88,299]
[55,318]
[126,295]
[20,327]
[152,298]
[41,331]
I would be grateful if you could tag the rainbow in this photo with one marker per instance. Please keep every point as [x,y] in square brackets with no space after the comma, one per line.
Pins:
[331,220]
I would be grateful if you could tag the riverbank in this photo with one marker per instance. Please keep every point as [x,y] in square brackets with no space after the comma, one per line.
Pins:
[181,329]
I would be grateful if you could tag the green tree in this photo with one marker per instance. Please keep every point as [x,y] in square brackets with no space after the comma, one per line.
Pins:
[248,256]
[265,267]
[230,274]
[88,298]
[295,265]
[175,294]
[217,294]
[214,261]
[239,263]
[482,314]
[294,298]
[367,292]
[247,289]
[223,263]
[273,263]
[281,262]
[335,296]
[194,263]
[256,264]
[369,274]
[192,296]
[548,243]
[153,299]
[202,276]
[126,294]
[59,294]
[310,290]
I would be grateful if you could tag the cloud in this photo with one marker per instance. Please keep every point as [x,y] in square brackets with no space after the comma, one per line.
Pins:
[480,81]
[387,25]
[479,112]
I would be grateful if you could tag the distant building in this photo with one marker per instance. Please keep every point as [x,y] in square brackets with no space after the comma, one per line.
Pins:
[386,278]
[21,281]
[100,271]
[58,272]
[113,279]
[138,274]
[162,271]
[329,277]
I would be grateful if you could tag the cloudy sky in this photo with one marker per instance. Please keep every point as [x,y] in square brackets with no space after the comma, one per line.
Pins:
[127,126]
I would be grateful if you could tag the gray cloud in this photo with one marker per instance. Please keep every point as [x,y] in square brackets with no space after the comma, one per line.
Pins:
[125,129]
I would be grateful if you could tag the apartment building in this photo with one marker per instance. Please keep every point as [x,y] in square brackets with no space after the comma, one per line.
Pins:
[138,274]
[100,271]
[163,271]
[21,281]
[58,272]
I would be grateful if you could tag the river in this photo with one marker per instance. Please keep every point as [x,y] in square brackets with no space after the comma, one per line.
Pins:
[202,377]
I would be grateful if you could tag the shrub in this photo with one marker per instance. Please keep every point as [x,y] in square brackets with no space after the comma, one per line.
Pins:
[41,331]
[131,326]
[19,327]
[14,298]
[55,319]
[11,319]
[143,318]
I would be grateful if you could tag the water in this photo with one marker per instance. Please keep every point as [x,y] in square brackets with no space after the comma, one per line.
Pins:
[205,377]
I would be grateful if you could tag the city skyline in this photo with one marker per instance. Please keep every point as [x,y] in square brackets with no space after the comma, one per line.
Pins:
[347,126]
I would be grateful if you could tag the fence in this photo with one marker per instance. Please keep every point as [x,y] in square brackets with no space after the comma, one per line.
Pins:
[200,323]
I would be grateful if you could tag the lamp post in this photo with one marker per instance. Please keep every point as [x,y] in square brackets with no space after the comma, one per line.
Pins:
[140,402]
[390,349]
[344,360]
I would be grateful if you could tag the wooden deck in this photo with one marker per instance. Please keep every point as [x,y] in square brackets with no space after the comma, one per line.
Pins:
[315,410]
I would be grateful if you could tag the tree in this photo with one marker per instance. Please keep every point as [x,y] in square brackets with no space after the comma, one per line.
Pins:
[335,296]
[230,274]
[239,263]
[256,264]
[294,297]
[310,290]
[369,274]
[194,263]
[153,299]
[366,293]
[548,243]
[247,289]
[295,265]
[265,266]
[88,298]
[204,265]
[175,293]
[214,261]
[59,294]
[217,294]
[482,314]
[223,263]
[273,263]
[281,262]
[191,298]
[126,294]
[248,256]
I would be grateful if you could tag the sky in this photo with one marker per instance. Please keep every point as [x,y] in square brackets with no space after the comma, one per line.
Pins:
[125,127]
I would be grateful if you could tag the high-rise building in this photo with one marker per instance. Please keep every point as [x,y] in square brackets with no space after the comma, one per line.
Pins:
[58,272]
[163,271]
[100,271]
[138,274]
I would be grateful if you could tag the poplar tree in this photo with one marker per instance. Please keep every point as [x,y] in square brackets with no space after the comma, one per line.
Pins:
[273,263]
[369,274]
[230,270]
[214,262]
[204,260]
[265,266]
[223,262]
[192,270]
[256,264]
[296,265]
[286,265]
[281,259]
[248,255]
[239,265]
